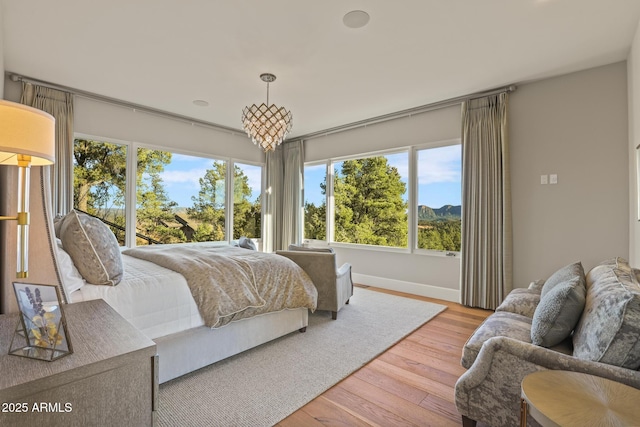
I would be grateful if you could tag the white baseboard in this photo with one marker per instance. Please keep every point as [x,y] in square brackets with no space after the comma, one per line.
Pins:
[421,289]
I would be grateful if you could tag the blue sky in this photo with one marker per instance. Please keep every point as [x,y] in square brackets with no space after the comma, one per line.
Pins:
[181,177]
[439,176]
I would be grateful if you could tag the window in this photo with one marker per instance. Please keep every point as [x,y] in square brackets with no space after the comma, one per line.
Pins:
[315,202]
[370,200]
[439,198]
[177,198]
[99,183]
[367,200]
[247,210]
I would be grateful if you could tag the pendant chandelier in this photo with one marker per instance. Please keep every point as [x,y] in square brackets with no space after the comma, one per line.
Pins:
[266,125]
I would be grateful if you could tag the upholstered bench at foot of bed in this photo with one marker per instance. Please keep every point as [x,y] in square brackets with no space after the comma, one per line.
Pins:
[334,285]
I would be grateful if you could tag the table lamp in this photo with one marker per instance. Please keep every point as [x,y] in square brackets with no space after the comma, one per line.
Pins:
[27,137]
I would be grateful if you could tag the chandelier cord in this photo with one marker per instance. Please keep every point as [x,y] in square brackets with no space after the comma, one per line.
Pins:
[267,94]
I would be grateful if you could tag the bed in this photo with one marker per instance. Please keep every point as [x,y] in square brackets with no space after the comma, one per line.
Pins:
[165,291]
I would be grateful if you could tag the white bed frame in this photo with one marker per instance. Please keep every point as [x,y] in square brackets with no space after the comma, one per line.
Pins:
[196,348]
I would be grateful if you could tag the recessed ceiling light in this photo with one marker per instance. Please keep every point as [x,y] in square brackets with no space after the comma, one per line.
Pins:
[356,19]
[201,103]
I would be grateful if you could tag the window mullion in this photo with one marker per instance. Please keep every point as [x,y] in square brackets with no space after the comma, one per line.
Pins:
[130,196]
[330,211]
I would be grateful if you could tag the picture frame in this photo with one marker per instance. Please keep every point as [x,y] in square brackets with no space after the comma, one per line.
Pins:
[41,332]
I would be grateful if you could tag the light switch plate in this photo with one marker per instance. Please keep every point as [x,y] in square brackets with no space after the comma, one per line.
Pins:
[553,179]
[543,179]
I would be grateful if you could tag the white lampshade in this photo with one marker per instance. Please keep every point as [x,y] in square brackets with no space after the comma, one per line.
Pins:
[26,130]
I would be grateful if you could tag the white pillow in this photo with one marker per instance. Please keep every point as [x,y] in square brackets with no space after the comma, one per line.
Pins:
[71,278]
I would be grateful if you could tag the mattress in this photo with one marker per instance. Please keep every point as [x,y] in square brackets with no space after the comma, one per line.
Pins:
[154,299]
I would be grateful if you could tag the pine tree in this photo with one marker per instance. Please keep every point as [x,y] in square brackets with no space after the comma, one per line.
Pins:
[369,204]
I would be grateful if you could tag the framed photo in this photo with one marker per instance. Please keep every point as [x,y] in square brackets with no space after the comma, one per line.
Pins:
[41,332]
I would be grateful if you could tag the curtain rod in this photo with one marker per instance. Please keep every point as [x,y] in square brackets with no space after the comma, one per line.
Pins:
[135,107]
[405,113]
[362,123]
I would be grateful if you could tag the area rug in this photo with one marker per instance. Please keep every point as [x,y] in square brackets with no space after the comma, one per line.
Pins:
[264,385]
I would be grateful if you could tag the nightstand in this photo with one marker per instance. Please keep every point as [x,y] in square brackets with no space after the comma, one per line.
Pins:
[110,379]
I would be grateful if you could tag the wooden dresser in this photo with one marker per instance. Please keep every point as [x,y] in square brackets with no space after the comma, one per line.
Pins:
[110,379]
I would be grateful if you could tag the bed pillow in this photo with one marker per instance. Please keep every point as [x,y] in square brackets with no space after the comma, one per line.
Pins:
[71,278]
[93,249]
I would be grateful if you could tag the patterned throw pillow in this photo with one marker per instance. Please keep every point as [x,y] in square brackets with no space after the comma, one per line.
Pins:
[93,248]
[609,329]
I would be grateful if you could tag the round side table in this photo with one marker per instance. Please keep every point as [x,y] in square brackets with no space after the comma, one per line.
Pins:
[563,398]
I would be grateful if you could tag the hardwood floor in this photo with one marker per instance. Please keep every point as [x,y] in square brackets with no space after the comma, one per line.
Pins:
[411,384]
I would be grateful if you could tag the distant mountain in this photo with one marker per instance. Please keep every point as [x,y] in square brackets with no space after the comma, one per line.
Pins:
[445,212]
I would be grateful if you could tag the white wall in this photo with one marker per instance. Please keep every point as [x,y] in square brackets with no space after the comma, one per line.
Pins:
[574,126]
[633,78]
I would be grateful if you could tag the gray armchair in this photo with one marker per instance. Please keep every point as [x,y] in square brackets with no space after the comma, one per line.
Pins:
[334,285]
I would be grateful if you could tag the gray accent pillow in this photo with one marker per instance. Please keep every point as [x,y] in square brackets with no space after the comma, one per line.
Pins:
[93,248]
[558,312]
[247,243]
[564,274]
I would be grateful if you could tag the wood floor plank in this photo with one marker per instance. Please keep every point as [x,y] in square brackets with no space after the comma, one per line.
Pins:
[426,371]
[411,384]
[414,414]
[367,411]
[391,383]
[327,413]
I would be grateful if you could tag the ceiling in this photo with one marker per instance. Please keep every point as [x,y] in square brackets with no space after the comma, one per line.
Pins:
[165,54]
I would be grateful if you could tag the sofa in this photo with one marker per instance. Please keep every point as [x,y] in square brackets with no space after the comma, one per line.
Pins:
[571,321]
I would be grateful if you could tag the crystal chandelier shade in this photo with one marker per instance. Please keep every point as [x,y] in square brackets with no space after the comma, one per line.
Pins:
[267,125]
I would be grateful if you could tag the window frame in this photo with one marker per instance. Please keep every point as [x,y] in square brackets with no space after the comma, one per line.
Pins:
[130,186]
[414,230]
[327,167]
[412,200]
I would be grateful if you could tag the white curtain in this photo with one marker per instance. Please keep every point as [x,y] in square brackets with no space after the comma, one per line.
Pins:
[283,207]
[60,105]
[283,199]
[292,203]
[486,274]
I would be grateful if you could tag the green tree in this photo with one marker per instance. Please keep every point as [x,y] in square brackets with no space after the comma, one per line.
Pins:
[369,204]
[245,222]
[440,235]
[209,206]
[315,226]
[99,176]
[99,187]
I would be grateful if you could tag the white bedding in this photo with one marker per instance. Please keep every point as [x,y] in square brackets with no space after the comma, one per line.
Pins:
[154,299]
